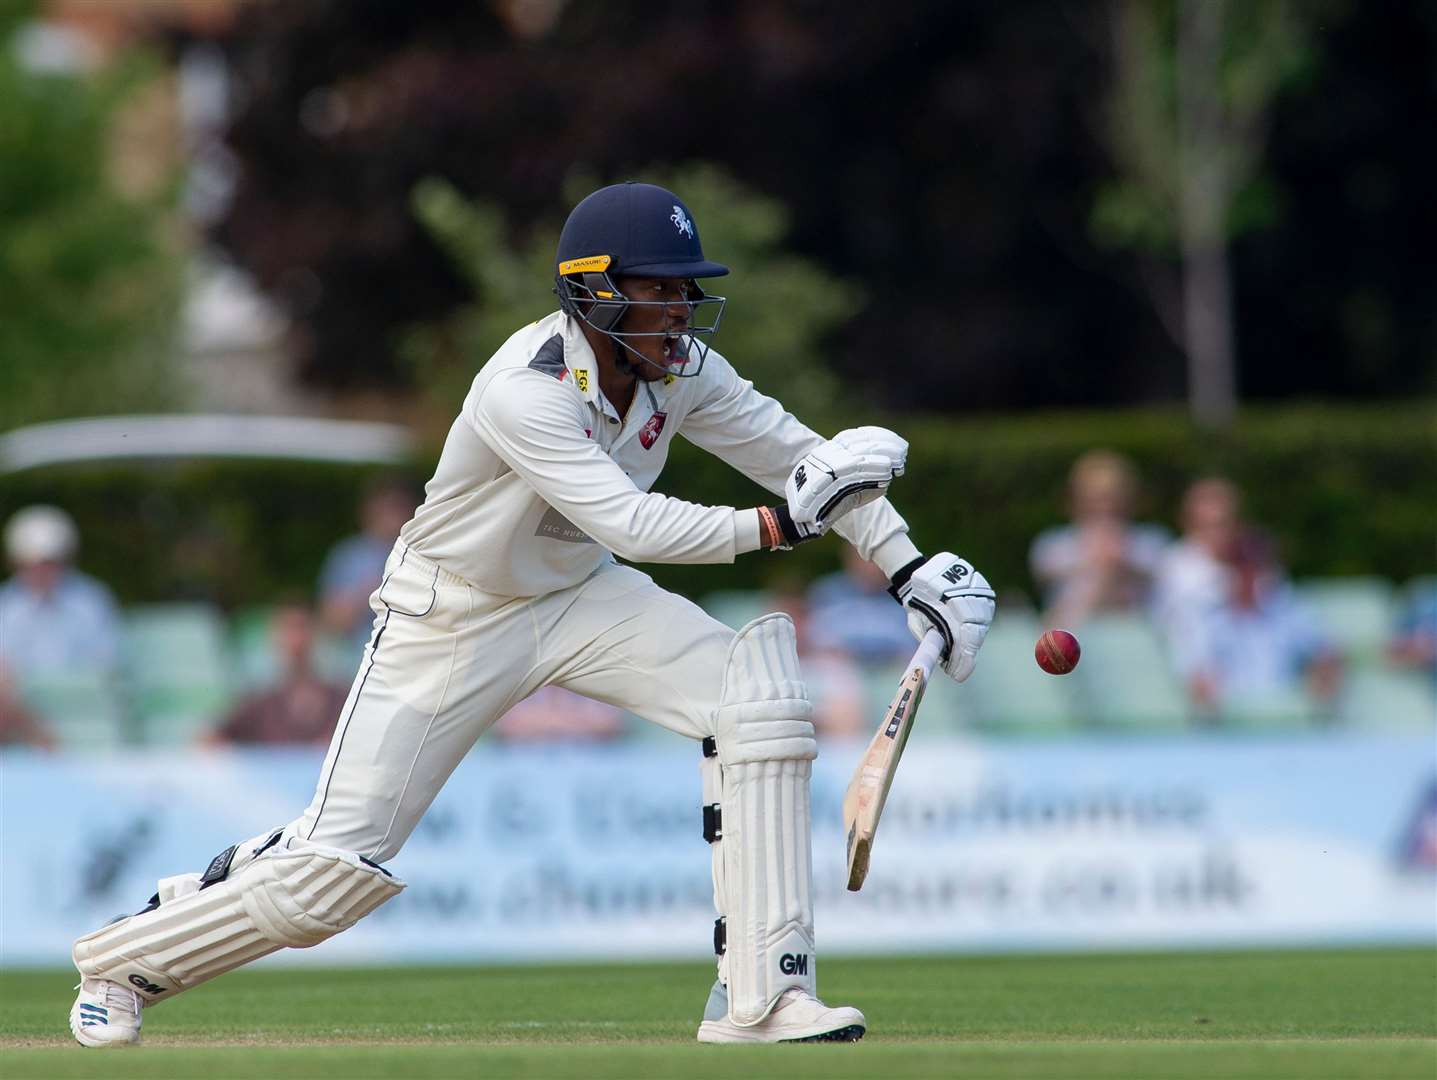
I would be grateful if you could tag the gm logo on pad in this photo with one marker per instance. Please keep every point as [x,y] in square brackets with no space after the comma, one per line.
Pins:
[793,964]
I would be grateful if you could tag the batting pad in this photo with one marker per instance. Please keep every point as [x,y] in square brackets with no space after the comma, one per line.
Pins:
[282,898]
[763,869]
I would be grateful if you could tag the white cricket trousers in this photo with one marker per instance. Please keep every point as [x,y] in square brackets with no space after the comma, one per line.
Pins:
[446,660]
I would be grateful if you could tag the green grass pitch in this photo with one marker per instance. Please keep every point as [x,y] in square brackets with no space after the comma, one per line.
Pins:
[1269,1015]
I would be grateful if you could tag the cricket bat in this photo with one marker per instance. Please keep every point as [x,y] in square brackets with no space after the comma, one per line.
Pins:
[868,790]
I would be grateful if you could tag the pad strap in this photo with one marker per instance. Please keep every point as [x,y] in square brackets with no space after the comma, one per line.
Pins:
[280,898]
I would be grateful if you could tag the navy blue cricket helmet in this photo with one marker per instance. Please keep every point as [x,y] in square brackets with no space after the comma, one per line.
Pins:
[635,230]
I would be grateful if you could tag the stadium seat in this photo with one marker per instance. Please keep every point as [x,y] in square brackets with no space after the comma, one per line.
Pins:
[1125,678]
[1380,699]
[1277,710]
[175,661]
[178,715]
[83,712]
[734,607]
[1008,692]
[254,664]
[879,683]
[251,660]
[942,711]
[947,707]
[336,658]
[1355,612]
[637,729]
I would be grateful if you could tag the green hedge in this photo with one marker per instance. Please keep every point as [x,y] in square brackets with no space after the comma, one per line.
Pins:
[234,532]
[1346,490]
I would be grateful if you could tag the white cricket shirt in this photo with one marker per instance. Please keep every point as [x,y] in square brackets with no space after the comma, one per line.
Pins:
[541,480]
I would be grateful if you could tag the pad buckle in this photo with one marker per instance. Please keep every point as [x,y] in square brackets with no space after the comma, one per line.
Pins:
[219,867]
[713,822]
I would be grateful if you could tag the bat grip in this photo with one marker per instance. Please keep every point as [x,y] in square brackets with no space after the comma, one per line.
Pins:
[929,650]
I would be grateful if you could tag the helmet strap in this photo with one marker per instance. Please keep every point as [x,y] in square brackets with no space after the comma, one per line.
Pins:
[622,363]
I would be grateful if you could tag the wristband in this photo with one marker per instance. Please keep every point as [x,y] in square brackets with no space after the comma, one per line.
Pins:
[770,533]
[777,529]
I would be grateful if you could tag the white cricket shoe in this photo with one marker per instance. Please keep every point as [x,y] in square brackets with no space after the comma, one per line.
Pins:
[797,1017]
[105,1014]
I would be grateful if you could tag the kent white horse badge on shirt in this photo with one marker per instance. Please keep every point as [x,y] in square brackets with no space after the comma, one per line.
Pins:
[653,426]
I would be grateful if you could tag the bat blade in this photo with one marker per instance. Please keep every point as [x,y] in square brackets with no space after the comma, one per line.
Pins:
[868,789]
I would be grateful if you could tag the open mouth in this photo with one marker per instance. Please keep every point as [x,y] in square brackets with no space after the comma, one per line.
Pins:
[676,351]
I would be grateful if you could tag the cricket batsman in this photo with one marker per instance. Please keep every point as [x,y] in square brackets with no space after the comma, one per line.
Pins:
[506,580]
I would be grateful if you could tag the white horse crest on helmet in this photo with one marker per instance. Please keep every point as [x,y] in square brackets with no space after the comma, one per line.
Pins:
[681,222]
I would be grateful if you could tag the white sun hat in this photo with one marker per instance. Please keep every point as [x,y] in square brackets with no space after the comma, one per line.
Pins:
[40,534]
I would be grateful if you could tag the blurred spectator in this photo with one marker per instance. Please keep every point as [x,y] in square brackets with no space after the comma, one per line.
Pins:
[54,620]
[302,707]
[1102,561]
[1192,574]
[553,713]
[834,681]
[354,566]
[1237,633]
[18,726]
[851,612]
[1414,645]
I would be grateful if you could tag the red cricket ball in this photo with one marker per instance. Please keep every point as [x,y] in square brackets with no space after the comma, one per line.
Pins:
[1057,652]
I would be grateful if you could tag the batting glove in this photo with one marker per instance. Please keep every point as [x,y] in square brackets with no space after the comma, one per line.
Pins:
[946,594]
[851,469]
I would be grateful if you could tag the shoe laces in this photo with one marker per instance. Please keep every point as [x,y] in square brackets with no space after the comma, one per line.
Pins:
[118,997]
[792,995]
[122,997]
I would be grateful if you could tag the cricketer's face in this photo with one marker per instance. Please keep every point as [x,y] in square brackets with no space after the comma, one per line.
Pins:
[661,314]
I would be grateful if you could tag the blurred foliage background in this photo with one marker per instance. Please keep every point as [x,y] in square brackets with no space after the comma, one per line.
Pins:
[1014,229]
[89,268]
[958,161]
[1347,490]
[784,303]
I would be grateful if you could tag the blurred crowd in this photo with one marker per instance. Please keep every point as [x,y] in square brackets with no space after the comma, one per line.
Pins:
[1199,629]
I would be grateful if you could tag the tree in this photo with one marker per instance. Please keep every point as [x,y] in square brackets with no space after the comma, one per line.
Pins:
[89,283]
[1193,86]
[939,152]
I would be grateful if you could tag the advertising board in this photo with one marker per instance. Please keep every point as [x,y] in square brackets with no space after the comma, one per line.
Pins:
[585,852]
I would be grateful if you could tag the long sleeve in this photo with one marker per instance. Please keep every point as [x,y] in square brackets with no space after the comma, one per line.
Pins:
[761,439]
[534,425]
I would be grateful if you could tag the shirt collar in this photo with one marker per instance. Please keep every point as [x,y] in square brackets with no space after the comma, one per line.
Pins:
[584,369]
[583,365]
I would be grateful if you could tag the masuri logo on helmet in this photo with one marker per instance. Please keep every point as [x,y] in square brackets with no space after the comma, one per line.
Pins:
[579,266]
[635,230]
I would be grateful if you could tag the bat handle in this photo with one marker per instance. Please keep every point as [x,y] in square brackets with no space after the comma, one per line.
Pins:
[929,650]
